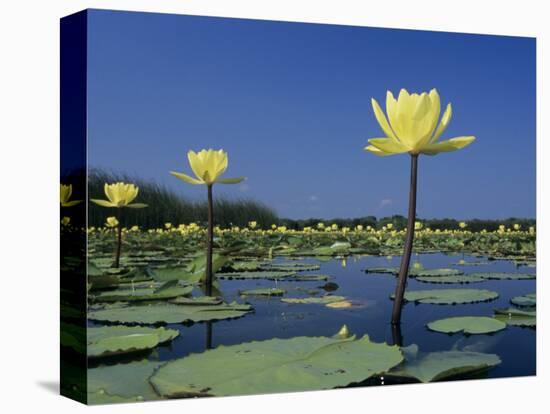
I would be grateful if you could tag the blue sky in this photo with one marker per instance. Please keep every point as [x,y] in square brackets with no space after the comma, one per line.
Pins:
[290,103]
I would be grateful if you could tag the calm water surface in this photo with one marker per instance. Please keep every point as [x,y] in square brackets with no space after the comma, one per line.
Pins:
[274,319]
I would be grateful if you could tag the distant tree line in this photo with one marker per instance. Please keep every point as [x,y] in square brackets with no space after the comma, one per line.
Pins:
[167,206]
[400,222]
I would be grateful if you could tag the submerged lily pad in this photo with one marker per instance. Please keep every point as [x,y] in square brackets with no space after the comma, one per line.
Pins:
[517,317]
[115,340]
[263,292]
[269,275]
[170,313]
[438,366]
[504,276]
[323,300]
[130,295]
[276,365]
[122,383]
[469,325]
[529,300]
[344,304]
[459,279]
[449,296]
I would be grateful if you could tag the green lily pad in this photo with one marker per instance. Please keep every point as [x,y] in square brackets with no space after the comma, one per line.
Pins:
[469,325]
[450,296]
[267,274]
[176,273]
[439,366]
[197,301]
[529,300]
[276,365]
[323,300]
[147,294]
[169,313]
[434,272]
[122,383]
[116,340]
[248,266]
[263,292]
[459,279]
[392,270]
[517,317]
[309,278]
[504,276]
[291,267]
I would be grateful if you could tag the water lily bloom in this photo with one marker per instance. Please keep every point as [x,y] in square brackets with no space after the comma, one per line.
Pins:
[65,196]
[252,224]
[167,226]
[111,222]
[65,221]
[208,166]
[418,225]
[462,225]
[412,125]
[119,195]
[517,227]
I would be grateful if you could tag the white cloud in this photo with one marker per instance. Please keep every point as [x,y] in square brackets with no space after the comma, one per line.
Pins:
[385,202]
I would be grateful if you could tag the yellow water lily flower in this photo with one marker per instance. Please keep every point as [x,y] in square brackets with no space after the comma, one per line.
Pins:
[65,196]
[65,221]
[462,225]
[412,125]
[252,224]
[208,166]
[418,225]
[167,226]
[111,222]
[120,195]
[517,226]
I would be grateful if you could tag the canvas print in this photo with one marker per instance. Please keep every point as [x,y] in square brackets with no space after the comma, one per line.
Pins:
[253,207]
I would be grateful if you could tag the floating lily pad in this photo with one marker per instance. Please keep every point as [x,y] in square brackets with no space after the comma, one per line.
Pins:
[122,383]
[464,263]
[248,266]
[504,276]
[263,292]
[147,294]
[169,313]
[469,325]
[529,300]
[115,340]
[343,304]
[434,272]
[197,301]
[439,366]
[176,273]
[517,317]
[459,279]
[269,275]
[392,270]
[323,300]
[450,296]
[291,267]
[276,365]
[309,278]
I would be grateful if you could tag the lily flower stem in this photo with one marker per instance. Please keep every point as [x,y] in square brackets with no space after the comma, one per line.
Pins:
[209,243]
[406,259]
[119,238]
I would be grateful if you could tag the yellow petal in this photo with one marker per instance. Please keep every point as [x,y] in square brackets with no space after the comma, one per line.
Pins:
[450,145]
[196,161]
[375,151]
[381,118]
[186,178]
[103,203]
[445,120]
[388,145]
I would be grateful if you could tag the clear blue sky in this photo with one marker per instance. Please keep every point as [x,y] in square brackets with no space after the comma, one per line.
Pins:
[290,102]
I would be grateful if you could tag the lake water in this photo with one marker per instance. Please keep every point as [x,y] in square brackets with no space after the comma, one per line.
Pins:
[272,318]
